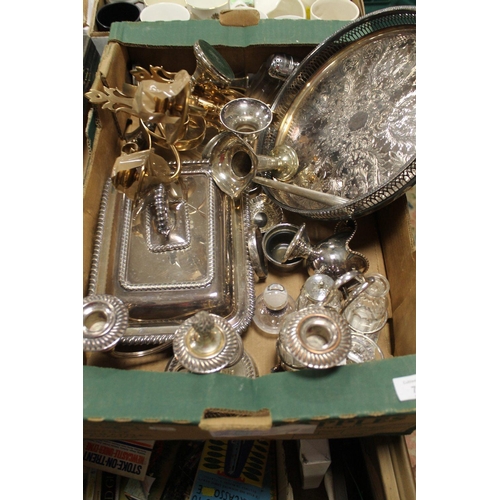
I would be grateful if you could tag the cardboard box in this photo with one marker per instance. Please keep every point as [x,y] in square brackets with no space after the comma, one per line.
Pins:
[136,399]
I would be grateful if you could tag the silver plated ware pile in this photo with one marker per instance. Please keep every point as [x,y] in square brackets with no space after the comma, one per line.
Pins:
[196,205]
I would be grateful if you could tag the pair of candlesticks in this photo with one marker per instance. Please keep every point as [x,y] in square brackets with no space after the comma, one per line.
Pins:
[333,322]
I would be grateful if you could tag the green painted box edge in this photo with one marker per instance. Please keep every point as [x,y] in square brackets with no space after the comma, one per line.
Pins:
[185,33]
[350,391]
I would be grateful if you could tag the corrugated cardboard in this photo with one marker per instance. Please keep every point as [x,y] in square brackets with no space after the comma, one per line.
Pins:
[137,399]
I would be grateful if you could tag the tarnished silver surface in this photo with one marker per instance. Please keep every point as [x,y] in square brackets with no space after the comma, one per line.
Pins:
[332,256]
[245,367]
[206,343]
[264,213]
[352,118]
[179,235]
[246,117]
[211,66]
[255,252]
[316,337]
[233,163]
[105,320]
[363,349]
[285,360]
[158,302]
[275,244]
[319,289]
[140,269]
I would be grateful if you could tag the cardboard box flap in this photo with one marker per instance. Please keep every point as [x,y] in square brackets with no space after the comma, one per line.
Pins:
[136,396]
[182,33]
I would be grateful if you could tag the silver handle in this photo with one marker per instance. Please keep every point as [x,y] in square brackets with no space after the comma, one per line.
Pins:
[327,198]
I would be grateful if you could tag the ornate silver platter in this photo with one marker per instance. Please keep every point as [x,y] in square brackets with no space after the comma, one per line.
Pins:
[349,112]
[204,264]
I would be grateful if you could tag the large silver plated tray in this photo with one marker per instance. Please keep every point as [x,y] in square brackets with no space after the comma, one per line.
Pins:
[202,265]
[349,112]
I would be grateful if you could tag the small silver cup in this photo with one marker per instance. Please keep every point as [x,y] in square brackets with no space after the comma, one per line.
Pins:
[246,117]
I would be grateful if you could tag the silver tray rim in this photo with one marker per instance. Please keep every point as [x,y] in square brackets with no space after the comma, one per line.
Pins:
[150,335]
[299,78]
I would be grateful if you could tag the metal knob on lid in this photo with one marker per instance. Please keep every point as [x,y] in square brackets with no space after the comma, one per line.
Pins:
[319,289]
[206,343]
[316,337]
[105,320]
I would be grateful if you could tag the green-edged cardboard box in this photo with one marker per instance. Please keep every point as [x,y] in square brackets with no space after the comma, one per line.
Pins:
[137,399]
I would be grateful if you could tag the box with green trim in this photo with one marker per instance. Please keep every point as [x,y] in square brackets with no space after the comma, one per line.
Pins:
[136,398]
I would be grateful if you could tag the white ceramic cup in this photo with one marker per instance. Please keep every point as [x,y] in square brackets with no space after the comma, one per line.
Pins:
[334,10]
[165,11]
[266,6]
[288,8]
[206,9]
[147,3]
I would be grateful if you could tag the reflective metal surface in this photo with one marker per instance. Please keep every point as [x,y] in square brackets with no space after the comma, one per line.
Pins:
[264,213]
[202,265]
[105,320]
[246,117]
[206,343]
[275,244]
[349,112]
[332,256]
[255,252]
[315,337]
[245,367]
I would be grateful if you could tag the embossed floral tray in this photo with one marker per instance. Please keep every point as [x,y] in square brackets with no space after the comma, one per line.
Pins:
[203,265]
[349,111]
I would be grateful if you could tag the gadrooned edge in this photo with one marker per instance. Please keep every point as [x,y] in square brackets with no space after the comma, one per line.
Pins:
[292,343]
[365,25]
[210,364]
[240,323]
[108,339]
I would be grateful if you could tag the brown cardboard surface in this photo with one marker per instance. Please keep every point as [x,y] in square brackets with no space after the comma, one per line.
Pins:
[400,259]
[380,236]
[93,29]
[239,17]
[85,9]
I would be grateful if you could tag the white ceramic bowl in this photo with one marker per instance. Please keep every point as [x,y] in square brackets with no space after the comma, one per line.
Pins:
[147,3]
[266,6]
[165,11]
[334,10]
[206,9]
[288,8]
